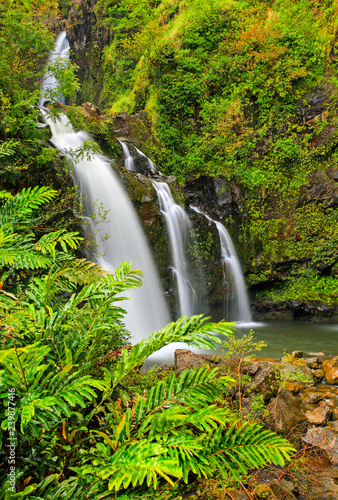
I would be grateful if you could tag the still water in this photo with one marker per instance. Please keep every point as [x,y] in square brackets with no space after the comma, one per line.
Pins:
[280,336]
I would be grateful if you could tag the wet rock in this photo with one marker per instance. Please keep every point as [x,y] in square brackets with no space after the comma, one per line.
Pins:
[296,354]
[292,387]
[330,367]
[286,418]
[324,438]
[319,416]
[319,189]
[312,363]
[283,490]
[313,105]
[295,305]
[297,371]
[326,485]
[267,380]
[215,196]
[318,375]
[312,397]
[333,174]
[184,358]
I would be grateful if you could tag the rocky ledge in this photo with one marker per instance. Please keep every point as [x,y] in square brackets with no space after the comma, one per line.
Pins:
[298,399]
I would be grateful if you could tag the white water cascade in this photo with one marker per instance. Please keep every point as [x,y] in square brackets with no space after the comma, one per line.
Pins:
[178,225]
[101,191]
[236,302]
[49,82]
[118,234]
[128,159]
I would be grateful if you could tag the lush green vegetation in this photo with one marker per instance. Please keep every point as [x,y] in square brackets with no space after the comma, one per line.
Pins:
[231,88]
[62,374]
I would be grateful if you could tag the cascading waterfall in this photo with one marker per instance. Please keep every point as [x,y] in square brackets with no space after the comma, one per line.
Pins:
[236,301]
[49,83]
[118,234]
[128,159]
[179,225]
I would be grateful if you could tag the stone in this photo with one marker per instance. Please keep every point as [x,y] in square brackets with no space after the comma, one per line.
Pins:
[292,387]
[286,418]
[312,397]
[326,485]
[312,363]
[334,426]
[318,374]
[267,380]
[319,416]
[324,438]
[334,413]
[296,354]
[333,174]
[282,490]
[330,367]
[184,358]
[263,491]
[296,371]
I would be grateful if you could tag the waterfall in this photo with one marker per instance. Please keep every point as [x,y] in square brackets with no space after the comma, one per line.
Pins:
[178,225]
[236,302]
[114,225]
[61,51]
[128,159]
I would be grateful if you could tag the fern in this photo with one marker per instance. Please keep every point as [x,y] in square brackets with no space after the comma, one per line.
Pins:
[24,203]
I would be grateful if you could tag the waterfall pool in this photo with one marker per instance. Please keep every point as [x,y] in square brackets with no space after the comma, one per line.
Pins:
[280,336]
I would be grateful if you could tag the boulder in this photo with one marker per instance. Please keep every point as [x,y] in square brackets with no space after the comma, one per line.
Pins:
[296,371]
[318,374]
[330,367]
[312,397]
[296,354]
[319,416]
[286,418]
[312,363]
[266,380]
[283,490]
[324,438]
[184,358]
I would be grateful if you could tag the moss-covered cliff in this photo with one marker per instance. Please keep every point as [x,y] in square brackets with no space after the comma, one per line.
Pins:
[243,96]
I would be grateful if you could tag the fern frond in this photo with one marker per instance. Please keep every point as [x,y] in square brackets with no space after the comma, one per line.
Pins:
[193,331]
[135,464]
[245,445]
[23,258]
[24,203]
[48,242]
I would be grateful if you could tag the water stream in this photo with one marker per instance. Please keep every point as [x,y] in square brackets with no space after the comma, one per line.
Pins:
[49,82]
[236,302]
[113,223]
[178,225]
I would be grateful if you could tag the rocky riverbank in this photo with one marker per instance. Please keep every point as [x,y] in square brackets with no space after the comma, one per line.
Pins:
[296,396]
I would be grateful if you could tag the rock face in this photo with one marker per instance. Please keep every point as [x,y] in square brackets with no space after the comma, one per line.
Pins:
[320,189]
[326,439]
[87,42]
[215,196]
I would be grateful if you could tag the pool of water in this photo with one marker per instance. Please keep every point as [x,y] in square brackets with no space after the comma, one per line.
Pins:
[280,336]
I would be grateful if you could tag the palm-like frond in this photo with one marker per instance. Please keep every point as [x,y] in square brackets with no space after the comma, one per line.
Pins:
[24,203]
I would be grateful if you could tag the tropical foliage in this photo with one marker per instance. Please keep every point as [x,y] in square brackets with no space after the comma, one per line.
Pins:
[60,364]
